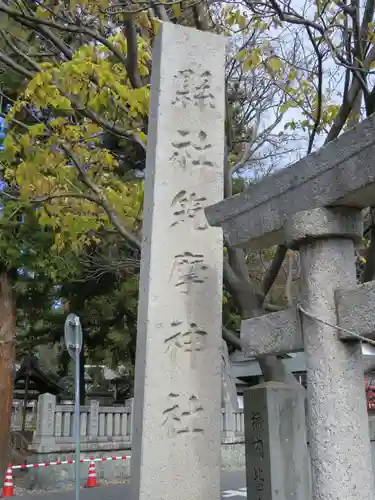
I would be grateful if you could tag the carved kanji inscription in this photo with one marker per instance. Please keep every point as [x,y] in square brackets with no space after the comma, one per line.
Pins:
[189,207]
[258,478]
[259,447]
[194,88]
[259,452]
[185,337]
[183,415]
[188,269]
[191,149]
[257,422]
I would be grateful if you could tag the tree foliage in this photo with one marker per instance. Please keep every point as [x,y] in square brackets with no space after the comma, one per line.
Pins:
[57,161]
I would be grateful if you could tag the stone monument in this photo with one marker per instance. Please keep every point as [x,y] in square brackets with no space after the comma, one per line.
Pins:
[177,404]
[315,206]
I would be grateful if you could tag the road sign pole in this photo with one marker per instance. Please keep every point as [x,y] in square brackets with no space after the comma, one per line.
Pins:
[73,340]
[77,423]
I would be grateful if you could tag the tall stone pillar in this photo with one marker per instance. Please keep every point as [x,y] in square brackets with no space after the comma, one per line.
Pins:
[337,414]
[177,406]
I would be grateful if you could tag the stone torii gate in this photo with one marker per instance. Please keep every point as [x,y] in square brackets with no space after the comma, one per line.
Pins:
[315,206]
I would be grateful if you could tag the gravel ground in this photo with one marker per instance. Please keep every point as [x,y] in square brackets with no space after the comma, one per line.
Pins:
[19,492]
[232,480]
[107,491]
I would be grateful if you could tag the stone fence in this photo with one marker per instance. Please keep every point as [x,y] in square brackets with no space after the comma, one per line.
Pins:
[103,428]
[30,421]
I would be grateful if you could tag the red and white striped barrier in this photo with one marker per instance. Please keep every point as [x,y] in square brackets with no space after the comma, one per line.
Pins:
[8,489]
[65,462]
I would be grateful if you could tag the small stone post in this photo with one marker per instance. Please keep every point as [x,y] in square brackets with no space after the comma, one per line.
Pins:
[229,397]
[229,422]
[94,419]
[337,414]
[129,403]
[45,426]
[277,463]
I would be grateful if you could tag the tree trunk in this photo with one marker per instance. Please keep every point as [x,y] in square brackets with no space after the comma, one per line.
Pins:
[369,272]
[7,353]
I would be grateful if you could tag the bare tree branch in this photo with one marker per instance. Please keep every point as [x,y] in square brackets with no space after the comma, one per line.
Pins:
[248,300]
[132,53]
[231,338]
[102,199]
[348,103]
[15,66]
[13,46]
[274,269]
[319,91]
[366,20]
[369,271]
[67,27]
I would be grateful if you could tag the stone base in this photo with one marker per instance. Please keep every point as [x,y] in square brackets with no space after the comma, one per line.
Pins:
[233,455]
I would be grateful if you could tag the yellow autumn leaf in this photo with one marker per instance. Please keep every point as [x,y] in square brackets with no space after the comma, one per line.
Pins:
[252,61]
[155,25]
[176,8]
[241,55]
[42,13]
[274,63]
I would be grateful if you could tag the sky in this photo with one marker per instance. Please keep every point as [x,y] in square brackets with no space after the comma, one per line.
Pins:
[333,80]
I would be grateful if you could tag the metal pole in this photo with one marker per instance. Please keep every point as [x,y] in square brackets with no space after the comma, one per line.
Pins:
[73,341]
[77,422]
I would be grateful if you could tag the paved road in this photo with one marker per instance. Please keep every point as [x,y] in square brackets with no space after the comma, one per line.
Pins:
[232,486]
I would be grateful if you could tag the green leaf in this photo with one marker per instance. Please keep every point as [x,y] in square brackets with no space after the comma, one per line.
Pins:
[241,55]
[287,105]
[252,60]
[274,63]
